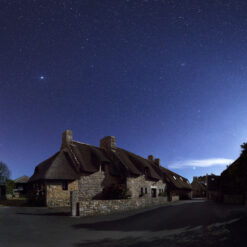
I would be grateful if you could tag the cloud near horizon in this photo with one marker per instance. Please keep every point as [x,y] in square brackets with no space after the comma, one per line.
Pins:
[200,163]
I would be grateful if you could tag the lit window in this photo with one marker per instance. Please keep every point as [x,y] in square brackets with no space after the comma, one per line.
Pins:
[65,185]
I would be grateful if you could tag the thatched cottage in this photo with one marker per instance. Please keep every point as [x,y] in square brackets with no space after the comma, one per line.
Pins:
[101,173]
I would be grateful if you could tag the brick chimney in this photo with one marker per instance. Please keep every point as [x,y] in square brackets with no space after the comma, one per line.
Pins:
[108,143]
[151,157]
[157,162]
[66,138]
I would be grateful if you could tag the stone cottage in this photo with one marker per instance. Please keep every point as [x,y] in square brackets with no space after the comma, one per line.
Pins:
[96,171]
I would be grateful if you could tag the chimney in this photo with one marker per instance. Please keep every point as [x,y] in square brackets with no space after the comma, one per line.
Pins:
[108,143]
[157,162]
[66,138]
[151,157]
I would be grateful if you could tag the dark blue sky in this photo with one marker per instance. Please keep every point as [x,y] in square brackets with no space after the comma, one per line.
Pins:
[166,78]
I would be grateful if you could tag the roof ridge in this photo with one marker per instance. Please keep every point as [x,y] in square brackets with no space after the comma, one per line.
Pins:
[87,144]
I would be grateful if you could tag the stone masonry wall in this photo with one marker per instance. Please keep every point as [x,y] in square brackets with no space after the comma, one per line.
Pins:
[102,207]
[135,185]
[56,196]
[91,185]
[175,198]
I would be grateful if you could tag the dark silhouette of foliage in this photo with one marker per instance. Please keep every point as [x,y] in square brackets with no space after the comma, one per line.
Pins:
[244,149]
[116,191]
[4,171]
[10,185]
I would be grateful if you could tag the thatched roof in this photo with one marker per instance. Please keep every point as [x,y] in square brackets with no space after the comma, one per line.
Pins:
[59,167]
[87,158]
[136,165]
[175,180]
[80,158]
[22,180]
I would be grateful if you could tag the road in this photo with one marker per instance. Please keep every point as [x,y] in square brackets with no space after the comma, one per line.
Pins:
[185,223]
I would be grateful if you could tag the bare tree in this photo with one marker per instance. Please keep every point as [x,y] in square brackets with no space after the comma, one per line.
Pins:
[4,171]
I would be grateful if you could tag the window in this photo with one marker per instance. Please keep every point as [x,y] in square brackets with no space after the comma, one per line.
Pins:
[146,190]
[212,179]
[65,185]
[141,192]
[174,177]
[181,178]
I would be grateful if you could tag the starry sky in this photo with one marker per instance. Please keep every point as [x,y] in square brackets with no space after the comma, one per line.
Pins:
[166,77]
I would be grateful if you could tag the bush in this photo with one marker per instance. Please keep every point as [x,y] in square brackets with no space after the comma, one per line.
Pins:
[141,194]
[116,191]
[10,185]
[162,193]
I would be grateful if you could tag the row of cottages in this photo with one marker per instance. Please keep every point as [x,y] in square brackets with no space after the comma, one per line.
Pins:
[105,172]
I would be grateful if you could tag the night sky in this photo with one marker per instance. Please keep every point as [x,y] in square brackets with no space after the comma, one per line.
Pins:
[166,77]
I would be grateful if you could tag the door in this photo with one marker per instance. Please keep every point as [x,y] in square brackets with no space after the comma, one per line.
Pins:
[153,192]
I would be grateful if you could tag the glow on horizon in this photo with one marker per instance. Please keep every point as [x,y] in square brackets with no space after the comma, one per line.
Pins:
[200,163]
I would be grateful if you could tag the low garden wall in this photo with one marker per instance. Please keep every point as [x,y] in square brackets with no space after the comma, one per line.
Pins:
[175,198]
[102,207]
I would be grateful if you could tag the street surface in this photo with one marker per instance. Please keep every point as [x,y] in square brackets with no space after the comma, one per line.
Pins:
[184,223]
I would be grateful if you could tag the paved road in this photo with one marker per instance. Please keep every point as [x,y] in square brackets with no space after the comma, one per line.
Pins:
[185,223]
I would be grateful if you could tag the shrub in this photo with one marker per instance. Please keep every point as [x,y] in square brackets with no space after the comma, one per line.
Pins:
[116,191]
[162,193]
[141,194]
[10,185]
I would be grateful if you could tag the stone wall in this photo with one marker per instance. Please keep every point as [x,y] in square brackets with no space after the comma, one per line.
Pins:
[91,185]
[102,207]
[175,198]
[56,196]
[135,184]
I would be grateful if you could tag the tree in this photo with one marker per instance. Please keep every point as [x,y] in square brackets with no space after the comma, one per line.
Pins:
[4,171]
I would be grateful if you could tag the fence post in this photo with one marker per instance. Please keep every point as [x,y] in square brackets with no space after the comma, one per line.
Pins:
[74,203]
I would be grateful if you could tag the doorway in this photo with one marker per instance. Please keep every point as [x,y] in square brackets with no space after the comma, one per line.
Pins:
[153,192]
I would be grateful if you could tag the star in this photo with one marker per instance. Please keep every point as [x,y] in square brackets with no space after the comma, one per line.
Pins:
[41,77]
